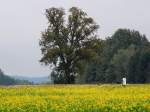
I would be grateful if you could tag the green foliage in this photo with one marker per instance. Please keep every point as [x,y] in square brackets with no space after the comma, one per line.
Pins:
[124,54]
[139,71]
[65,45]
[120,62]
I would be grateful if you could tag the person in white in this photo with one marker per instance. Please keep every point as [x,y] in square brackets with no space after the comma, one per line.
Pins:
[124,81]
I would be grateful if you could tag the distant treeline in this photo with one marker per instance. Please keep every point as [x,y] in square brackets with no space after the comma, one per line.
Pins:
[7,80]
[125,54]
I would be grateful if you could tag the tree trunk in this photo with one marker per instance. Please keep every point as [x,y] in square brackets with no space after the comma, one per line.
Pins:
[70,79]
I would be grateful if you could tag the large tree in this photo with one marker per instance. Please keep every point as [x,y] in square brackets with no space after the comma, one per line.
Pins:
[66,43]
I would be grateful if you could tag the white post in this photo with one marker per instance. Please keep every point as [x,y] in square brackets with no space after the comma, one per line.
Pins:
[124,83]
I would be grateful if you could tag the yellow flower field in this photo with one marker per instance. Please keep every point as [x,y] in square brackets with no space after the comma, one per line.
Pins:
[75,98]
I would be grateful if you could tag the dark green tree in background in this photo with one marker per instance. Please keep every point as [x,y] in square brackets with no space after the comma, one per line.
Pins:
[119,52]
[125,54]
[139,66]
[65,44]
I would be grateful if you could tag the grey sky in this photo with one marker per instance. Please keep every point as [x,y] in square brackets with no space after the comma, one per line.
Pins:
[21,22]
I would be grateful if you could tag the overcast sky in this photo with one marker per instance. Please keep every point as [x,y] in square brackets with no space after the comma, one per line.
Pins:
[21,22]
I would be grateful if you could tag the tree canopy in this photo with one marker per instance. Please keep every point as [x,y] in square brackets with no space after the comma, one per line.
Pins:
[66,43]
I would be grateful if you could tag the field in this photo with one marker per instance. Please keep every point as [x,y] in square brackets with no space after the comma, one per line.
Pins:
[75,98]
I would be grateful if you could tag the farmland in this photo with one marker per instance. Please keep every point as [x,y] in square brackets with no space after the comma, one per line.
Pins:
[75,98]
